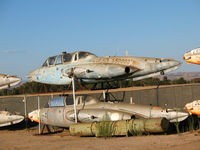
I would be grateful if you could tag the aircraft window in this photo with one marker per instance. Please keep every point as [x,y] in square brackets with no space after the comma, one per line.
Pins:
[79,100]
[45,63]
[83,55]
[67,57]
[51,60]
[75,58]
[59,60]
[69,100]
[164,60]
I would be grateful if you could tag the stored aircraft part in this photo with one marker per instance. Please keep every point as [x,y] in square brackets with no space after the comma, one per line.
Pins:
[34,116]
[7,81]
[192,56]
[120,128]
[91,115]
[90,109]
[88,68]
[193,107]
[6,118]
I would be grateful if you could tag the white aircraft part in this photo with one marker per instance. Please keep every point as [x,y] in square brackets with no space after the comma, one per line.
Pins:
[7,81]
[7,118]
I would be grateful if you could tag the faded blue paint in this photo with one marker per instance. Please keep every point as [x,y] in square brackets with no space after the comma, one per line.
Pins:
[91,69]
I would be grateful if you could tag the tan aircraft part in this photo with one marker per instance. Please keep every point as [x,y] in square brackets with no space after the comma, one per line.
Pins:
[127,61]
[120,128]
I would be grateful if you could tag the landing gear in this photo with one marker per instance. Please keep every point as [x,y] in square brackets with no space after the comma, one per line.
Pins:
[107,96]
[49,129]
[79,84]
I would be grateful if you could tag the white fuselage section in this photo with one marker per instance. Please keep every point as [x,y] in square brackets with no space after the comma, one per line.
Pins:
[7,81]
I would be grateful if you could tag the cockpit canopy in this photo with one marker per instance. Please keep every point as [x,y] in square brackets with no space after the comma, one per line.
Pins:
[68,100]
[67,57]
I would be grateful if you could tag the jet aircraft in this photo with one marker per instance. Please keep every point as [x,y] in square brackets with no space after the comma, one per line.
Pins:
[60,111]
[88,68]
[7,81]
[192,56]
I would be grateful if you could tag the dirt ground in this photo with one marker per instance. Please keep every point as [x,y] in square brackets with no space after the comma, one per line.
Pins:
[30,140]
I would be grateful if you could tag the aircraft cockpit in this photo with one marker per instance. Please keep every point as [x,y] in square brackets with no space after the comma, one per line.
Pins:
[68,100]
[67,57]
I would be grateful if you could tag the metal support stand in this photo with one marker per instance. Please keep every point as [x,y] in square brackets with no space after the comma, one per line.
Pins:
[39,114]
[74,98]
[157,94]
[25,111]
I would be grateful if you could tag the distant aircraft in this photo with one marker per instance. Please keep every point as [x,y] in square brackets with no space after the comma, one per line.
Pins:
[60,111]
[7,81]
[88,68]
[193,107]
[6,118]
[192,56]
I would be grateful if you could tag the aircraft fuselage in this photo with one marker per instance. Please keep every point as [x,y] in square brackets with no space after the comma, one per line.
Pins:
[93,69]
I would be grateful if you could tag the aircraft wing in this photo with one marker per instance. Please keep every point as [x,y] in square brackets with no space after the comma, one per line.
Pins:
[99,71]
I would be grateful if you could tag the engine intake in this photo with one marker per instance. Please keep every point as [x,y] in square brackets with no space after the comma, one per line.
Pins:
[127,69]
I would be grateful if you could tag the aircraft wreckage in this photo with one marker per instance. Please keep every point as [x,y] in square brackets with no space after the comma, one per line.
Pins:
[88,68]
[61,112]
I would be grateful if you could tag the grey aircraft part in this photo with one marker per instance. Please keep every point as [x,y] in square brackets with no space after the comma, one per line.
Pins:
[90,109]
[7,81]
[88,68]
[6,118]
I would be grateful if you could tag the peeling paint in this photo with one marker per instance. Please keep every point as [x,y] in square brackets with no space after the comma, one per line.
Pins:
[89,68]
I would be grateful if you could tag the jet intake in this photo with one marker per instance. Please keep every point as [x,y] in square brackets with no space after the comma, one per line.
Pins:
[127,69]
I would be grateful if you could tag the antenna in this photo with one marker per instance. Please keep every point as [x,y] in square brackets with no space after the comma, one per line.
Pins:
[126,52]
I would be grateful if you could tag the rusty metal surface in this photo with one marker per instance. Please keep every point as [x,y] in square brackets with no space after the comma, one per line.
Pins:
[93,69]
[89,109]
[120,128]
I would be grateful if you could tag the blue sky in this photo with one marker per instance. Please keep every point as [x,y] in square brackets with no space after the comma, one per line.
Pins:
[31,31]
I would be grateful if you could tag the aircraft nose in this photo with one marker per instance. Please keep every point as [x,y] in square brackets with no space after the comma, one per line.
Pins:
[178,116]
[17,79]
[31,75]
[18,117]
[34,115]
[176,63]
[14,79]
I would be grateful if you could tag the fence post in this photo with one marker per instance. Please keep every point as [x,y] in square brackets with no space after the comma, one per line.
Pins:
[25,111]
[39,113]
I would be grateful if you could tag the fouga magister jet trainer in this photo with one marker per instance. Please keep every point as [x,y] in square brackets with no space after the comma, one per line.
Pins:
[60,111]
[88,68]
